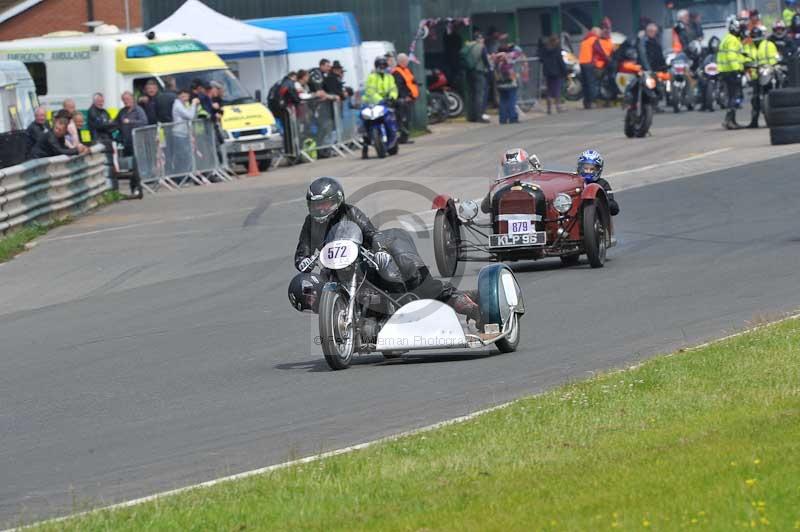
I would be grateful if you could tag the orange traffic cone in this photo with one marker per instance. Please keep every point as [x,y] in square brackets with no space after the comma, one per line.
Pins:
[252,165]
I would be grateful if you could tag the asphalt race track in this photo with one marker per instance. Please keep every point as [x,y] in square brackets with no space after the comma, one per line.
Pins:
[193,371]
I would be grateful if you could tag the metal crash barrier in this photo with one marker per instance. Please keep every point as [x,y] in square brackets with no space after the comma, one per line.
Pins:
[52,188]
[177,154]
[320,128]
[529,78]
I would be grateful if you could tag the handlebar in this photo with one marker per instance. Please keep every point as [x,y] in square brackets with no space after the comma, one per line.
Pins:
[313,262]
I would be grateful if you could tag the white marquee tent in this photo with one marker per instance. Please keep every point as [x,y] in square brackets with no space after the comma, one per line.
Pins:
[257,55]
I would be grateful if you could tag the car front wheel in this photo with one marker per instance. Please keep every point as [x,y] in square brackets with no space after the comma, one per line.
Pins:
[595,233]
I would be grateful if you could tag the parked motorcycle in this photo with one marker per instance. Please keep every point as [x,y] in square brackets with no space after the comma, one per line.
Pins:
[710,89]
[678,87]
[437,107]
[772,76]
[573,87]
[437,83]
[640,101]
[380,130]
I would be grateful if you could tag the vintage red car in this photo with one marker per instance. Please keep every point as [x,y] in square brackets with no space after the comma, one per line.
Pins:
[534,213]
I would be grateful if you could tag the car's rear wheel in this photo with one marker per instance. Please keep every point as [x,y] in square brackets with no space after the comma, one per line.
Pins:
[595,233]
[445,244]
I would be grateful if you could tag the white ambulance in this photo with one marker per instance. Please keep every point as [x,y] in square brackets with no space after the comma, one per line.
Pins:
[77,65]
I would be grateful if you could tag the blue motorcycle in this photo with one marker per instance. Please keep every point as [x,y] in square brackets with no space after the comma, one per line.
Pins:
[380,130]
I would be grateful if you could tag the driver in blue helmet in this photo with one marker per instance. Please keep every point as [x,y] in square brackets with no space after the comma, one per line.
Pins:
[590,167]
[399,264]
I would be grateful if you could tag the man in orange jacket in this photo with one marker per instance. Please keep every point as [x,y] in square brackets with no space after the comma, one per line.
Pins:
[587,67]
[602,50]
[407,94]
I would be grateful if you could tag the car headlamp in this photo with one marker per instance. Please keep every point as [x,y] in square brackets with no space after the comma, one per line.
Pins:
[467,210]
[562,203]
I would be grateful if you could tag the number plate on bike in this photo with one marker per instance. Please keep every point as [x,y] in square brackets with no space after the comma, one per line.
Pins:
[338,254]
[538,238]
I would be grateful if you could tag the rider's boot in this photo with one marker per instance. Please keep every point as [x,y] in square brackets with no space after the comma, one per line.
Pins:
[364,151]
[464,303]
[753,122]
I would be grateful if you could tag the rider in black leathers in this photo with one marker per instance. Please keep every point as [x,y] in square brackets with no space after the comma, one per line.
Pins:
[401,268]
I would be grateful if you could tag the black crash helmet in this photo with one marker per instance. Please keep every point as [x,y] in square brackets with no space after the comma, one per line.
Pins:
[324,197]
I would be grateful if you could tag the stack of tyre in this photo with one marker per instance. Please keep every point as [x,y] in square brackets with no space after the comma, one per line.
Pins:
[783,115]
[783,107]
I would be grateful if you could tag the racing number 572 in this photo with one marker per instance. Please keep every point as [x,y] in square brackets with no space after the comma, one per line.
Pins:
[337,252]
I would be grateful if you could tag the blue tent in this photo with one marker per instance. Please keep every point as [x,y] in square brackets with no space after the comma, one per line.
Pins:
[311,33]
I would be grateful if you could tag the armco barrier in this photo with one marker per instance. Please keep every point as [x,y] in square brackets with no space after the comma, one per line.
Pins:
[45,189]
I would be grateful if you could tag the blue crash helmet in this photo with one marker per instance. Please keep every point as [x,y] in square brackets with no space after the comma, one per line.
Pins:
[590,165]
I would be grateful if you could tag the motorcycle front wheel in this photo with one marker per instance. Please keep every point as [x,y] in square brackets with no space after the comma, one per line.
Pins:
[638,126]
[377,141]
[708,97]
[336,329]
[455,104]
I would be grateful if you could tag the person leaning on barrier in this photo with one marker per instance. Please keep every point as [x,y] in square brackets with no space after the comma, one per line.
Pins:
[334,83]
[165,99]
[68,111]
[200,91]
[148,101]
[38,128]
[53,143]
[130,117]
[317,75]
[183,112]
[100,124]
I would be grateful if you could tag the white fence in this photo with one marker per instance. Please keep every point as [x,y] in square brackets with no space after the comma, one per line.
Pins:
[51,188]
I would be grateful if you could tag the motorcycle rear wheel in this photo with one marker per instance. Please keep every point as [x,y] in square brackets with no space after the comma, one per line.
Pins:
[336,338]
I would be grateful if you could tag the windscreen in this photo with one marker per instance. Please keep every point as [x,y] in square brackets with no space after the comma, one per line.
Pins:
[233,91]
[512,168]
[345,230]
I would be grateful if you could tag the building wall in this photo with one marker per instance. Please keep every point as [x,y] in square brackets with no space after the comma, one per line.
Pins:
[59,15]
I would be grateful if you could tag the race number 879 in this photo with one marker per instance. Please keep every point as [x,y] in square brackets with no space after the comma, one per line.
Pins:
[520,226]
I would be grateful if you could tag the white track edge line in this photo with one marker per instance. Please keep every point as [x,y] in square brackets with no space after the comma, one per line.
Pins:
[357,447]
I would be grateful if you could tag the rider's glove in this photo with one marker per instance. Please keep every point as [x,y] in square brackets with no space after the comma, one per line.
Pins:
[382,259]
[305,264]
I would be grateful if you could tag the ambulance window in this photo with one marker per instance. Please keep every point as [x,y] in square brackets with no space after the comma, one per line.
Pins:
[138,86]
[38,72]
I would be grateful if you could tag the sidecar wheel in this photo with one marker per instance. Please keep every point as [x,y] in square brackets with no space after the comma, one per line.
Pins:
[445,244]
[509,343]
[337,340]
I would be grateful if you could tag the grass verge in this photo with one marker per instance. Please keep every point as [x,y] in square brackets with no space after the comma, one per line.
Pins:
[706,439]
[15,243]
